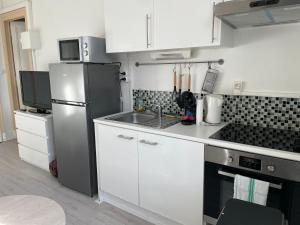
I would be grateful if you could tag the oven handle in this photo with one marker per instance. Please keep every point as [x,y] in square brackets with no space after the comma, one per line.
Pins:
[226,174]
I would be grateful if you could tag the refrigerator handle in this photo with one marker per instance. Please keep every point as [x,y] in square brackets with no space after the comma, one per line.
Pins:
[55,101]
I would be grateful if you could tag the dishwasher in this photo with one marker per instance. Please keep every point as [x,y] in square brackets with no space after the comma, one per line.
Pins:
[221,166]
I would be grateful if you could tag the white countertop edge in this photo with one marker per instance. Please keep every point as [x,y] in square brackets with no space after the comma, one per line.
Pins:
[200,133]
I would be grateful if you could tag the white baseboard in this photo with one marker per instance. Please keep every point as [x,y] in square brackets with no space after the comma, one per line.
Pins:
[135,210]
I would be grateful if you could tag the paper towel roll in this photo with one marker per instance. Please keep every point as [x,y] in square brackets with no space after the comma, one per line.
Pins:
[199,111]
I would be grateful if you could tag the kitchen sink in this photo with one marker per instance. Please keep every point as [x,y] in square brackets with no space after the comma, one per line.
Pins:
[146,119]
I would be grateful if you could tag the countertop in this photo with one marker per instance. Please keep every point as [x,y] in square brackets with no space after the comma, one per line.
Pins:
[200,133]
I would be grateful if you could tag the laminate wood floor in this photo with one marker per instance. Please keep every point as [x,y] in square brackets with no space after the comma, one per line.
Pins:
[20,178]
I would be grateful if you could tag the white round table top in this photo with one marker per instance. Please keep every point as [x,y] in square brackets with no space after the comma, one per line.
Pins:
[30,210]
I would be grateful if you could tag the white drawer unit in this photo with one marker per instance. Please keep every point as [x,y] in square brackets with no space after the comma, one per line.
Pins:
[31,124]
[34,157]
[33,141]
[35,138]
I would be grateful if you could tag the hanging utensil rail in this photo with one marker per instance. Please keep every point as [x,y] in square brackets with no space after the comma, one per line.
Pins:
[220,62]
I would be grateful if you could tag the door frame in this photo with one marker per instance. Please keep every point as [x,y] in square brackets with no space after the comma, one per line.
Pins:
[20,11]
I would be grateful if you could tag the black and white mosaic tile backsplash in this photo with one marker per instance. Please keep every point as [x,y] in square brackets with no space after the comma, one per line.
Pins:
[281,113]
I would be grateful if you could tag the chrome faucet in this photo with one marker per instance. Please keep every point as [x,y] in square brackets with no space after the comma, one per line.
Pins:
[159,111]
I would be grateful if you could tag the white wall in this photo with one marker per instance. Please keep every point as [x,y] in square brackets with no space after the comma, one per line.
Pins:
[64,18]
[68,18]
[267,59]
[7,3]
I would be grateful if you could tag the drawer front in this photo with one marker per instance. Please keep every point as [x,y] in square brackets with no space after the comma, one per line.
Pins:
[35,158]
[31,125]
[32,141]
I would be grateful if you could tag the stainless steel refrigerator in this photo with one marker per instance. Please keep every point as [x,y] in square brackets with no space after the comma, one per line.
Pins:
[80,92]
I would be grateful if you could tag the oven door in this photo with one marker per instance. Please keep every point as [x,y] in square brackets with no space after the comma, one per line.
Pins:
[219,188]
[70,50]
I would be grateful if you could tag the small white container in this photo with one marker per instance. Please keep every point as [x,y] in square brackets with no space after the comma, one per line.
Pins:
[199,111]
[213,108]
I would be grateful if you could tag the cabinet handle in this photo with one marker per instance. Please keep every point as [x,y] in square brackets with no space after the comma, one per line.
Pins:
[148,31]
[148,142]
[213,25]
[125,137]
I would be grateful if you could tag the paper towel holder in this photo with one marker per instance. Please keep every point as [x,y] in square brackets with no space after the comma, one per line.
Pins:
[30,40]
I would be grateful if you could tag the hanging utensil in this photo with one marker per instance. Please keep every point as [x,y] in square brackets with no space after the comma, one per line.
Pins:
[210,80]
[174,94]
[180,81]
[179,96]
[189,79]
[188,101]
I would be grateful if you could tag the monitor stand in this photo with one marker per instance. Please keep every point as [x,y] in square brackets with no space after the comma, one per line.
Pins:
[39,111]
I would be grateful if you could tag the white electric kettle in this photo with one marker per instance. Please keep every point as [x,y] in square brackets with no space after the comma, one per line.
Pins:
[213,108]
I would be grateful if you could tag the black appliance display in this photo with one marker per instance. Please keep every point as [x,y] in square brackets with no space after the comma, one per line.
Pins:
[36,92]
[279,139]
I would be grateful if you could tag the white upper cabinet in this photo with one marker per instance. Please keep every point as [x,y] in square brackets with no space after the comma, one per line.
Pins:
[142,25]
[128,25]
[182,24]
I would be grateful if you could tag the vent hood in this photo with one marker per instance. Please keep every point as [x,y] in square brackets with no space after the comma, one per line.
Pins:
[249,13]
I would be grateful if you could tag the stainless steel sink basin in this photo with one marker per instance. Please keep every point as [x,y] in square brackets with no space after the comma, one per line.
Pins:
[146,119]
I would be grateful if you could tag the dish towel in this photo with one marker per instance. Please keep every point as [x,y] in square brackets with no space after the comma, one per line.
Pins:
[251,190]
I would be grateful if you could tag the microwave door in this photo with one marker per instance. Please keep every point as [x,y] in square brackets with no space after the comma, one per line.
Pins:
[67,82]
[70,50]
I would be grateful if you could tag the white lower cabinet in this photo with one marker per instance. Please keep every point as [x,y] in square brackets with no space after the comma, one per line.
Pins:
[35,138]
[118,162]
[158,174]
[171,177]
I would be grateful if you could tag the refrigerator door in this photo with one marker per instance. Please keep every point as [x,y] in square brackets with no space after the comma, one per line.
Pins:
[72,148]
[67,82]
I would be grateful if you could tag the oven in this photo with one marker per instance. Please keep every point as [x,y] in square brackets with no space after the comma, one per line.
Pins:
[221,166]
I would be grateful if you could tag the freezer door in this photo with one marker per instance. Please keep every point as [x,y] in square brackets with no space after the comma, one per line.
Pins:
[72,147]
[67,82]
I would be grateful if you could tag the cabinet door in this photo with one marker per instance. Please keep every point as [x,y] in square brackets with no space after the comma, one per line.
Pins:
[182,24]
[171,177]
[128,25]
[118,162]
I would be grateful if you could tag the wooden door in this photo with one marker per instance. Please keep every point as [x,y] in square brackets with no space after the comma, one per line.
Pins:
[9,66]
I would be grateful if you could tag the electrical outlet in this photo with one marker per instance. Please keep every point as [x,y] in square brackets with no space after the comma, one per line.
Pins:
[124,79]
[238,86]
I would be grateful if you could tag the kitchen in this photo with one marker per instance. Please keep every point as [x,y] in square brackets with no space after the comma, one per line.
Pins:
[258,85]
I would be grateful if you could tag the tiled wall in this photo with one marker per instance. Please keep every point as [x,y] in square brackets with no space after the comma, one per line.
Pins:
[281,113]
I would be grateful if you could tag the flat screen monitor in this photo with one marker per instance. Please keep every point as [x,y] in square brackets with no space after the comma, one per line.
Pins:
[35,87]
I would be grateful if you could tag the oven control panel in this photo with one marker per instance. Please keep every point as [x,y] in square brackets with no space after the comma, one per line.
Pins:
[250,163]
[262,164]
